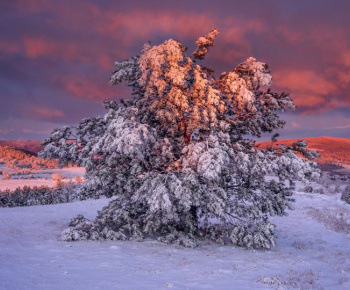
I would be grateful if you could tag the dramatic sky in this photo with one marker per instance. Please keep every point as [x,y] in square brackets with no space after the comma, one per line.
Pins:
[56,57]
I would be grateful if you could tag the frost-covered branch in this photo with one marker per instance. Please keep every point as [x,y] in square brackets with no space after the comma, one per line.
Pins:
[203,43]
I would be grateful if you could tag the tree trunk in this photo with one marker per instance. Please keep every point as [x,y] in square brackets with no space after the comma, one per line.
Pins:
[193,212]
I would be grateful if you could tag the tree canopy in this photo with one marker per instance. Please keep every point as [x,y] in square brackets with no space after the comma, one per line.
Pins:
[177,156]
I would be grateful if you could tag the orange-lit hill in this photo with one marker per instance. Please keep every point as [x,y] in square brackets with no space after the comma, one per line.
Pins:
[20,159]
[28,146]
[333,150]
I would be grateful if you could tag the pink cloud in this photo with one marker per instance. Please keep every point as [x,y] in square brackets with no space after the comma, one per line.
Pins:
[51,48]
[84,88]
[294,125]
[345,58]
[31,5]
[309,90]
[6,131]
[141,24]
[39,47]
[94,36]
[304,80]
[40,113]
[340,127]
[31,131]
[9,47]
[133,27]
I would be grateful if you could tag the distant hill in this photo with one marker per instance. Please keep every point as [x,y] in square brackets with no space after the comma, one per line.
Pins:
[20,159]
[31,147]
[333,150]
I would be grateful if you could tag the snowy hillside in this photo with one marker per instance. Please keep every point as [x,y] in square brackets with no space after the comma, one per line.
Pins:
[333,150]
[312,252]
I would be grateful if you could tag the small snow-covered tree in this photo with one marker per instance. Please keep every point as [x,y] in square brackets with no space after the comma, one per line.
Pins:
[58,179]
[7,176]
[177,155]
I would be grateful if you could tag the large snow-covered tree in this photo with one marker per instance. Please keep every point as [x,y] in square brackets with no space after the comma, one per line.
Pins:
[177,155]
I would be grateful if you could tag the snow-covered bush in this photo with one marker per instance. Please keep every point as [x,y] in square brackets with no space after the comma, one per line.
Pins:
[177,156]
[308,189]
[346,194]
[319,190]
[293,280]
[58,179]
[7,176]
[78,179]
[336,220]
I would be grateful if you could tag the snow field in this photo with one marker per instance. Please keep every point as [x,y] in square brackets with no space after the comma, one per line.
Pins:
[310,254]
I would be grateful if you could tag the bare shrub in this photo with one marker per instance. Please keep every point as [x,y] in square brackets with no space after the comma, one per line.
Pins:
[300,245]
[319,190]
[338,221]
[337,188]
[294,280]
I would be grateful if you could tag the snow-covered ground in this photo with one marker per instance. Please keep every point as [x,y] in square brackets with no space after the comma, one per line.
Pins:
[40,177]
[312,252]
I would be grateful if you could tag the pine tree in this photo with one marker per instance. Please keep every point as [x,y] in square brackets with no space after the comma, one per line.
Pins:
[177,156]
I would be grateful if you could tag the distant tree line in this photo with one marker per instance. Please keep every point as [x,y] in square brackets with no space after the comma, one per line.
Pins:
[40,195]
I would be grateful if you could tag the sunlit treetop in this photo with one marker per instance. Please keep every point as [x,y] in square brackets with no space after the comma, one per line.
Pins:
[184,95]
